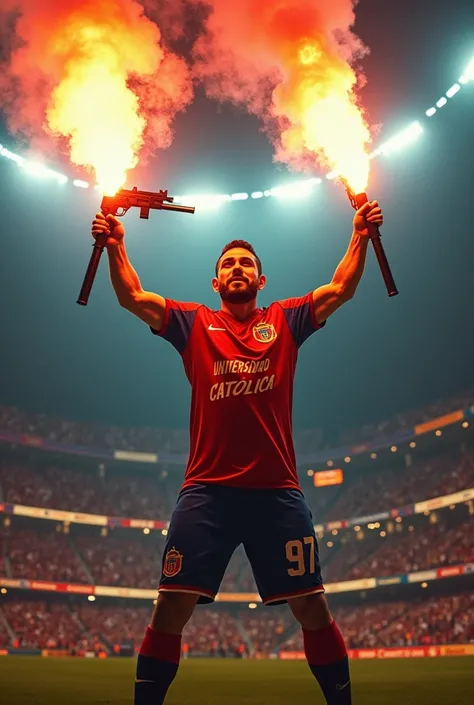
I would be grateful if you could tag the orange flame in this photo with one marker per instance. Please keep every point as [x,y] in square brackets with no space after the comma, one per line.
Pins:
[290,63]
[317,98]
[96,67]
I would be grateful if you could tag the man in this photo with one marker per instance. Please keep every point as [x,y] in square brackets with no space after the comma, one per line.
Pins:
[241,484]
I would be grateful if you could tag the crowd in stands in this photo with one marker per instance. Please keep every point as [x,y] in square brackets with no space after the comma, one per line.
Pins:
[129,559]
[365,494]
[133,562]
[446,620]
[108,624]
[144,496]
[112,493]
[407,419]
[436,620]
[153,440]
[42,625]
[423,548]
[214,633]
[43,555]
[145,439]
[236,631]
[265,627]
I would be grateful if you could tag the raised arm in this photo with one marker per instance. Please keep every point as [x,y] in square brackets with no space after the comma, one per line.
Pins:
[328,298]
[146,305]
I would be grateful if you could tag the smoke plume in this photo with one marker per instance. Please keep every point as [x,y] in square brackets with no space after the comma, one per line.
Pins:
[91,76]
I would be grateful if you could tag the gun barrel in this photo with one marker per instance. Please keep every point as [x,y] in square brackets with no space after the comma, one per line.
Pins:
[179,209]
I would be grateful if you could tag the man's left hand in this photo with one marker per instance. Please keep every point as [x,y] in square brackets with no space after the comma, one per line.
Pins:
[369,213]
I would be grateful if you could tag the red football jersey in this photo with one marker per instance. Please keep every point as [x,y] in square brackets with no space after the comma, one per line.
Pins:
[241,375]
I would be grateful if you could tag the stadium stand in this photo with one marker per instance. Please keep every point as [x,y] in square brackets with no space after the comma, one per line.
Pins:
[425,547]
[110,625]
[122,560]
[130,559]
[43,554]
[437,620]
[38,624]
[142,495]
[446,473]
[226,631]
[57,551]
[177,440]
[81,490]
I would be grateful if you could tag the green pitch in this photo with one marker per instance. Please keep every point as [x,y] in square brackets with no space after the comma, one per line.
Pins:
[49,681]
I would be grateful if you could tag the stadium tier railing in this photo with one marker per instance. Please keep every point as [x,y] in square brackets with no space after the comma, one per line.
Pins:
[427,505]
[420,576]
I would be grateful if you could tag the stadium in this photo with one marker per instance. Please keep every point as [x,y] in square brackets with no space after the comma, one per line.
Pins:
[94,410]
[83,527]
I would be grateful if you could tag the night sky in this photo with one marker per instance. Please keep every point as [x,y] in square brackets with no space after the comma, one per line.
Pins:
[377,356]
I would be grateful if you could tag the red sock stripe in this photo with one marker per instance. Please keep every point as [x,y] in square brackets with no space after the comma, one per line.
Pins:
[164,647]
[324,646]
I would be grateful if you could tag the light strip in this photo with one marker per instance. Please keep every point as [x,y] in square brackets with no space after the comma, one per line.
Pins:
[296,189]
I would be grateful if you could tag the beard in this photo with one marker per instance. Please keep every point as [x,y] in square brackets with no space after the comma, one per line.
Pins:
[242,295]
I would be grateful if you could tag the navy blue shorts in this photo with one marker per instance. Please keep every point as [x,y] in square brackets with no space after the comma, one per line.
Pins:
[275,527]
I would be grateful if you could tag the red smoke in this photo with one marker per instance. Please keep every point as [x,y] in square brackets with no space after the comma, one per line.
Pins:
[94,76]
[291,63]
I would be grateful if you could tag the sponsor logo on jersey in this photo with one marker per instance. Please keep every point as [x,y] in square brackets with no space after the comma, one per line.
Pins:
[173,563]
[264,332]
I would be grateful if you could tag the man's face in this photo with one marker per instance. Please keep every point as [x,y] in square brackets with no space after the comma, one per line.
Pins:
[238,281]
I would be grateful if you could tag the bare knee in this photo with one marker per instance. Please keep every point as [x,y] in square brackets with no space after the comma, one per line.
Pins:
[173,610]
[311,611]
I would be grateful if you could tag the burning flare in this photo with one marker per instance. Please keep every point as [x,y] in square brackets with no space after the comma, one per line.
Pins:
[291,63]
[92,73]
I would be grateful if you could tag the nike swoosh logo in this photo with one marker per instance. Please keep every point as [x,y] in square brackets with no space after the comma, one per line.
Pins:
[140,680]
[341,687]
[211,327]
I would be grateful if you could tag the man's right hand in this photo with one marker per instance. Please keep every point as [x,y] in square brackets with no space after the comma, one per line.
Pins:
[111,225]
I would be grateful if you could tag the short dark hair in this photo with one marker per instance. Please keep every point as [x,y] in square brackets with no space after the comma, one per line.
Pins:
[244,245]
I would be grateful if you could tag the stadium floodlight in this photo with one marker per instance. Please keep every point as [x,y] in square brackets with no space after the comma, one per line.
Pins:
[295,190]
[210,201]
[11,155]
[469,72]
[451,92]
[207,201]
[42,172]
[405,137]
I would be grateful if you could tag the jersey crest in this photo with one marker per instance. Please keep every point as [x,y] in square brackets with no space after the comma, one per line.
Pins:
[264,332]
[173,563]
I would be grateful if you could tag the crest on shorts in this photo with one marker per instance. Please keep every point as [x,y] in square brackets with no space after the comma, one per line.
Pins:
[173,563]
[264,332]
